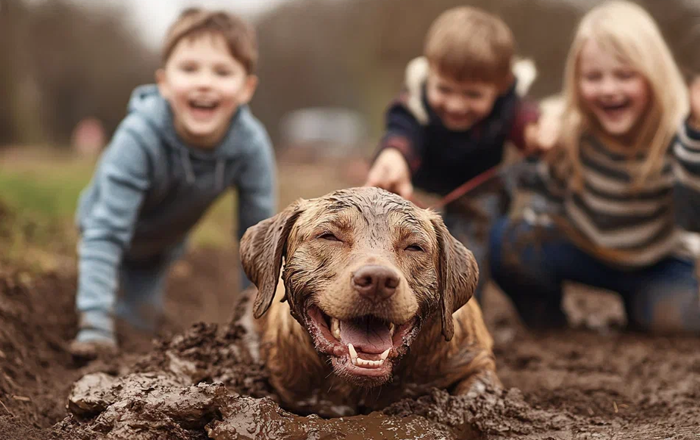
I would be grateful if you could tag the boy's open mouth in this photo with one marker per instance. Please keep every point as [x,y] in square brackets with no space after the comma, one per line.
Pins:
[203,108]
[360,348]
[458,118]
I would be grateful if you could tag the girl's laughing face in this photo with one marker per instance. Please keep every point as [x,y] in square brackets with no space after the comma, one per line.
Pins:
[612,91]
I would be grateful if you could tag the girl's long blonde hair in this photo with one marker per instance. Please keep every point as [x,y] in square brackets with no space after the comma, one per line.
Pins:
[628,31]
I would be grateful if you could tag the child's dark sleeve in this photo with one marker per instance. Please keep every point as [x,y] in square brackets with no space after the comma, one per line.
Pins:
[405,134]
[686,149]
[526,112]
[123,177]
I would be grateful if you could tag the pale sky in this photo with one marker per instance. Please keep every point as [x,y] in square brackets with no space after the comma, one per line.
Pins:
[152,17]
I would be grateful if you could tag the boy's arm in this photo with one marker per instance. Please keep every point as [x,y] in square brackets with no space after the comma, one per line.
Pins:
[256,188]
[405,134]
[400,152]
[257,200]
[107,228]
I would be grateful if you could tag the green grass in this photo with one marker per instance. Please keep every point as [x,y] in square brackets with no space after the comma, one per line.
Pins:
[46,192]
[41,189]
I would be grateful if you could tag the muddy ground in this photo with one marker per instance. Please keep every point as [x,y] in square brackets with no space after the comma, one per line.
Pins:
[193,381]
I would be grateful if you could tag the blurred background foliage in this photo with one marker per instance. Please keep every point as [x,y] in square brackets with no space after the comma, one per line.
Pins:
[61,62]
[67,62]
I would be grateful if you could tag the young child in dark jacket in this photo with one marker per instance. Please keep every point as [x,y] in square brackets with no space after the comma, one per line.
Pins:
[459,106]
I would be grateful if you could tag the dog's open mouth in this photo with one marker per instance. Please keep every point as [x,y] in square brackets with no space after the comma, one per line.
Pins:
[361,347]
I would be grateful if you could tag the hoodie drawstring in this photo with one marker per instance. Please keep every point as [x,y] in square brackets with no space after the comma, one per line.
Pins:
[219,174]
[187,165]
[189,170]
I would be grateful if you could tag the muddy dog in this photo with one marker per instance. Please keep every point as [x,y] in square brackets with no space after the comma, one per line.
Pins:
[374,304]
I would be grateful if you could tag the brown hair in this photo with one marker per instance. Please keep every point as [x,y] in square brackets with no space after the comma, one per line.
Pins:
[468,43]
[239,35]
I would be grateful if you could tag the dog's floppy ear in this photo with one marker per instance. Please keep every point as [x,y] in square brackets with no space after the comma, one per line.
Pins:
[458,275]
[262,248]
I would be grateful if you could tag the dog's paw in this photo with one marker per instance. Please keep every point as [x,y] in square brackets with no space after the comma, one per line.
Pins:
[478,384]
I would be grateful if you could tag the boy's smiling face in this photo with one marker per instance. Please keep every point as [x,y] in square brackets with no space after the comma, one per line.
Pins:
[204,85]
[459,104]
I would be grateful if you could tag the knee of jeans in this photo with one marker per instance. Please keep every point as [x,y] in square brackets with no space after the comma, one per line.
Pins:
[673,312]
[143,285]
[497,243]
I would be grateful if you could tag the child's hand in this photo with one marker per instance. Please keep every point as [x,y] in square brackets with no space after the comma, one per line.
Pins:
[390,172]
[543,135]
[694,92]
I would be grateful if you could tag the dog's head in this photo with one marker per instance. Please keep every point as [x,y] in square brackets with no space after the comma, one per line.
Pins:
[363,270]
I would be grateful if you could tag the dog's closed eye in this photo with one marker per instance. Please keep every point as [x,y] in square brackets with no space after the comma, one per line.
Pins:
[327,235]
[414,248]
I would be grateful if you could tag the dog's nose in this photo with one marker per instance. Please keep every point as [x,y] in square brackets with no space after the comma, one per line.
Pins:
[375,282]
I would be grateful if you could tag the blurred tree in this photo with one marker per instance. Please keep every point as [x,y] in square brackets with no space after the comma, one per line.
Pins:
[353,52]
[62,63]
[11,112]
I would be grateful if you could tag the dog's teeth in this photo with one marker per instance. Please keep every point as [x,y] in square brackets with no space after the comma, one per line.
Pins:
[367,363]
[385,354]
[353,355]
[335,328]
[359,362]
[391,329]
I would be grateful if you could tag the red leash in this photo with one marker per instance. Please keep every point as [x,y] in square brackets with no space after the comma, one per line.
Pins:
[461,190]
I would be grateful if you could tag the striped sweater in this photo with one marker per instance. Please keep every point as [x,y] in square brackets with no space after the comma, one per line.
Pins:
[631,227]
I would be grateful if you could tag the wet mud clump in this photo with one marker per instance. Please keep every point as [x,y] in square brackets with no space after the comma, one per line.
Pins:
[204,384]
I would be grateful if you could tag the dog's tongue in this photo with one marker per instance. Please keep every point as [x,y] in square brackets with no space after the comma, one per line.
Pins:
[368,336]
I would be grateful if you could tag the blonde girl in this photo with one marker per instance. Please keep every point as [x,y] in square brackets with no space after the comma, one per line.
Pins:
[625,177]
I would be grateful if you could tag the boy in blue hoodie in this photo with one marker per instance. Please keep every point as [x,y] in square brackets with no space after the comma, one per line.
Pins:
[184,142]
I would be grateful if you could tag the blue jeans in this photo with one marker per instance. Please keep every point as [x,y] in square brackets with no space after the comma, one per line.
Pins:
[142,284]
[662,298]
[472,230]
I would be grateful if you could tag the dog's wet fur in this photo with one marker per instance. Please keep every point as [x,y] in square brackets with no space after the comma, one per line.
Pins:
[374,305]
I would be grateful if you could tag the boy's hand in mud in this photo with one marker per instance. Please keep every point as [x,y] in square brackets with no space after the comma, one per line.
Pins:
[390,172]
[694,92]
